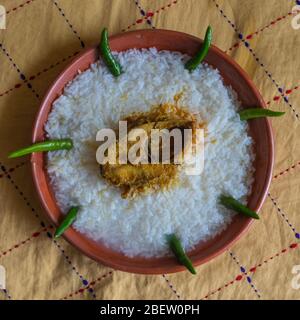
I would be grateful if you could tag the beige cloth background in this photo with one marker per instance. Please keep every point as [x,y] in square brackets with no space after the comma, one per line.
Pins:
[41,37]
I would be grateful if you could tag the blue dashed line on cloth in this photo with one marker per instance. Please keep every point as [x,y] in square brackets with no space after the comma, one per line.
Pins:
[84,281]
[244,271]
[258,60]
[49,235]
[68,22]
[284,216]
[22,76]
[143,13]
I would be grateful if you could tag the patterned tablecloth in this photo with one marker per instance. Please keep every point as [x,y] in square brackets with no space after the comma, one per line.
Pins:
[40,38]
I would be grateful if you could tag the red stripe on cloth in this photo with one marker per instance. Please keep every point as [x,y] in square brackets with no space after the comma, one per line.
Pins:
[12,169]
[92,283]
[21,243]
[226,285]
[253,269]
[138,21]
[19,85]
[287,92]
[48,234]
[284,172]
[19,6]
[255,33]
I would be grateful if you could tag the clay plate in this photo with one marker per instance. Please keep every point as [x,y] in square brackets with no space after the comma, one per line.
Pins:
[260,130]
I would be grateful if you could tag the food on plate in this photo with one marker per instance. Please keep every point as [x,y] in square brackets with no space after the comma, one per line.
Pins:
[162,207]
[137,226]
[135,179]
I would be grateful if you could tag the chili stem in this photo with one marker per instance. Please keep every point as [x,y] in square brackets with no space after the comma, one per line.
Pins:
[67,222]
[179,252]
[49,145]
[235,205]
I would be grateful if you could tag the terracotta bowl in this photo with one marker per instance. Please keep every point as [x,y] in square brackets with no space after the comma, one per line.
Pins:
[260,131]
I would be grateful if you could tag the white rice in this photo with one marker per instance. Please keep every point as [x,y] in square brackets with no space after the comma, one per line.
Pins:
[96,100]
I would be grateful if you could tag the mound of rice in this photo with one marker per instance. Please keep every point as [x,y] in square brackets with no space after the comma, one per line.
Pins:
[137,227]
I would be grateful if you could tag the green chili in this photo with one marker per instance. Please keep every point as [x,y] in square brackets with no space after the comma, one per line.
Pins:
[49,145]
[178,250]
[192,64]
[67,222]
[254,113]
[112,64]
[235,205]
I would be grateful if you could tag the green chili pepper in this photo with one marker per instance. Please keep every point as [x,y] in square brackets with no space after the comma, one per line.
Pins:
[112,64]
[50,145]
[178,250]
[235,205]
[192,64]
[254,113]
[67,222]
